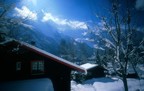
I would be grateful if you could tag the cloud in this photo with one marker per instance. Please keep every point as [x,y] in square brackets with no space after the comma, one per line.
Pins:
[64,22]
[24,12]
[85,33]
[139,4]
[97,47]
[90,40]
[80,40]
[27,26]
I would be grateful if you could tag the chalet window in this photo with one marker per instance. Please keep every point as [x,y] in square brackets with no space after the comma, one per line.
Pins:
[41,66]
[34,65]
[37,67]
[18,66]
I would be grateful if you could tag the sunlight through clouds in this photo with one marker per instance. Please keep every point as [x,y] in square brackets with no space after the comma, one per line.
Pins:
[64,22]
[24,12]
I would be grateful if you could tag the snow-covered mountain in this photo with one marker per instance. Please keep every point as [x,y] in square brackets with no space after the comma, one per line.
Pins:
[49,38]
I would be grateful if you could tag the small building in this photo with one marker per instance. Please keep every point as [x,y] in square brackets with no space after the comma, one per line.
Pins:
[20,61]
[137,73]
[93,70]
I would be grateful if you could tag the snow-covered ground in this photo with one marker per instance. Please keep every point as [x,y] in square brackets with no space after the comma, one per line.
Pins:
[107,84]
[43,84]
[95,84]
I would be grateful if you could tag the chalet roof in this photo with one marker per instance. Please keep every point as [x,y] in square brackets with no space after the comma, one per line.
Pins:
[88,66]
[46,54]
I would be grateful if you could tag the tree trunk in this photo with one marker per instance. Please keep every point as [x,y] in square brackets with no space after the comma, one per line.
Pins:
[134,68]
[125,82]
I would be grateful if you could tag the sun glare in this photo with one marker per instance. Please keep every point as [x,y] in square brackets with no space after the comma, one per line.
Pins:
[34,2]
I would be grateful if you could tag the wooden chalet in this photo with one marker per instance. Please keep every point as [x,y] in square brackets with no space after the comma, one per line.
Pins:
[20,60]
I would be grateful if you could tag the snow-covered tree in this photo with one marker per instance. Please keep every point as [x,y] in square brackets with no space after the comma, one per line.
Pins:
[10,24]
[119,31]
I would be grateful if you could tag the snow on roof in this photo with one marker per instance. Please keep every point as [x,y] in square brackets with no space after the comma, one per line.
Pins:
[88,65]
[49,55]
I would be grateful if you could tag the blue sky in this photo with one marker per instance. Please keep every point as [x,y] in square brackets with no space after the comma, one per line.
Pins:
[77,9]
[70,14]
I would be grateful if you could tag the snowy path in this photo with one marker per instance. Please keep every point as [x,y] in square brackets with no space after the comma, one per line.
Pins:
[107,84]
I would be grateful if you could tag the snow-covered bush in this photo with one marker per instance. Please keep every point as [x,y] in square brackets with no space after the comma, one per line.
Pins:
[78,77]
